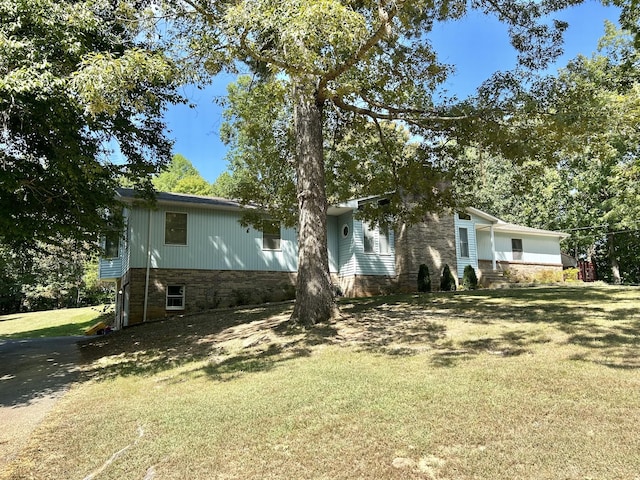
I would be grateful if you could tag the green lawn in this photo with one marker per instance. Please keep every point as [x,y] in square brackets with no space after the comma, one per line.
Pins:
[53,323]
[496,384]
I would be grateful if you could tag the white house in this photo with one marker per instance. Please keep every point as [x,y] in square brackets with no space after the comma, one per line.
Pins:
[191,253]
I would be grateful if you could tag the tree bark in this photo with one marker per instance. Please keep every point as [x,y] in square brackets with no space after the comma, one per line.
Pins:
[314,295]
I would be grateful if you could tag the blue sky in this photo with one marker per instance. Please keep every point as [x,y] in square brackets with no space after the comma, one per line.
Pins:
[477,45]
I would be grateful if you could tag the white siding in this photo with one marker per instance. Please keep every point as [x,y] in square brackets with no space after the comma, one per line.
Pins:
[535,248]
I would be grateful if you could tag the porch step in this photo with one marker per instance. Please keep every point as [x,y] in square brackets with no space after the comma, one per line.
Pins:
[494,279]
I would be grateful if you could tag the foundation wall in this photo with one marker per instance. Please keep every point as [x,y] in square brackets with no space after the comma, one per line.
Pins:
[205,290]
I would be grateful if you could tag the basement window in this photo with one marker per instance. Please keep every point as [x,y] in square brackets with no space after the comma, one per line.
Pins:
[175,297]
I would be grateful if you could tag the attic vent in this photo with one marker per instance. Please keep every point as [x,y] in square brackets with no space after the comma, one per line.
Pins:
[464,216]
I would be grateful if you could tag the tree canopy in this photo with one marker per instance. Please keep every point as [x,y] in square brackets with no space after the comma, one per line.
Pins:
[339,69]
[586,118]
[77,81]
[180,176]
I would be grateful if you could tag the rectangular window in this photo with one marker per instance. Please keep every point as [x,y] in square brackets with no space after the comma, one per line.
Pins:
[383,238]
[175,297]
[516,248]
[464,216]
[271,235]
[464,242]
[175,228]
[369,238]
[112,245]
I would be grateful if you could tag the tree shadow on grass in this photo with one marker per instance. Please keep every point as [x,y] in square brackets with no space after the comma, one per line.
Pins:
[410,324]
[233,342]
[228,342]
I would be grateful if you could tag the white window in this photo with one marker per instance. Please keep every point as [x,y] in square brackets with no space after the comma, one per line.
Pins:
[175,297]
[464,242]
[175,228]
[368,238]
[271,235]
[516,248]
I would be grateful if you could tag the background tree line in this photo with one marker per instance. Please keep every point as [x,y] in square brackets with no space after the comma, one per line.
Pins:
[344,99]
[591,188]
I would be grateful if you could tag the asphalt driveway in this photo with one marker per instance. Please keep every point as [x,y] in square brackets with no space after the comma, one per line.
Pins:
[34,374]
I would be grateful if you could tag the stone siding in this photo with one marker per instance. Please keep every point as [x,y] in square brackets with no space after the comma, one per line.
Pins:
[367,285]
[432,242]
[205,290]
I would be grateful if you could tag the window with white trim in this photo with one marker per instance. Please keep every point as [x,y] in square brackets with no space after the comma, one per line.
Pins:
[175,297]
[271,235]
[463,235]
[175,228]
[516,248]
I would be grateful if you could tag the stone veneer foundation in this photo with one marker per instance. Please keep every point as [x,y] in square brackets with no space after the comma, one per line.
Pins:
[204,290]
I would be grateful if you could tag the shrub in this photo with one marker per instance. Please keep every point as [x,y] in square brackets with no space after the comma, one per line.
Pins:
[424,280]
[447,282]
[570,275]
[469,278]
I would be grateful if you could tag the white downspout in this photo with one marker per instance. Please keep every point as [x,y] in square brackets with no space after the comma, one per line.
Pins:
[146,280]
[493,249]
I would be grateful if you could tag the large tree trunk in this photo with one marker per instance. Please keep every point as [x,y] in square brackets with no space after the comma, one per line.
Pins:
[314,295]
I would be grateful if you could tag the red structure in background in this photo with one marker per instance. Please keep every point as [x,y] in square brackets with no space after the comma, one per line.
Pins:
[586,271]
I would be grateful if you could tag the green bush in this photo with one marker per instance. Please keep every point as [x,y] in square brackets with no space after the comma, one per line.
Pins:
[424,280]
[469,278]
[447,282]
[570,275]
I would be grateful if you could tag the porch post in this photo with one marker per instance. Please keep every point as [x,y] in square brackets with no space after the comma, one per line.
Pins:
[493,249]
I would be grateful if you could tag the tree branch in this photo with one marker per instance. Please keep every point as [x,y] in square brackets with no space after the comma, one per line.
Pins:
[380,33]
[396,113]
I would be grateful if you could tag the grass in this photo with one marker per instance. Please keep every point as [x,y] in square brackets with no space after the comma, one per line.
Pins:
[527,384]
[52,323]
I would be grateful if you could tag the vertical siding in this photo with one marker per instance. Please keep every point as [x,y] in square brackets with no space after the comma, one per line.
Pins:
[472,259]
[126,252]
[372,263]
[215,240]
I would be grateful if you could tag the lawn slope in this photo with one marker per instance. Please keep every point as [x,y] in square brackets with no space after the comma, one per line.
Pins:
[531,384]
